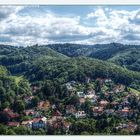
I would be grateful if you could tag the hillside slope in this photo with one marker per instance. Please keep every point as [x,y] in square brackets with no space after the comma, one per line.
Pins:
[79,69]
[129,59]
[18,59]
[123,55]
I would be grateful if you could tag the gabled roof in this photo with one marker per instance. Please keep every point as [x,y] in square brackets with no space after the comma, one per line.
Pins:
[30,111]
[13,123]
[35,120]
[26,122]
[57,113]
[104,102]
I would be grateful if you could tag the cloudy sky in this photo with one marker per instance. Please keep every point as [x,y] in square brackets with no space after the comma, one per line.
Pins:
[28,25]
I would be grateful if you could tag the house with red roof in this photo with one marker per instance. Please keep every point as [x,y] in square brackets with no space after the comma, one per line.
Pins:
[30,112]
[13,124]
[97,110]
[125,112]
[11,114]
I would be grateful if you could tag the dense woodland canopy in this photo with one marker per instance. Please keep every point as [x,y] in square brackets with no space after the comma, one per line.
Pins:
[125,55]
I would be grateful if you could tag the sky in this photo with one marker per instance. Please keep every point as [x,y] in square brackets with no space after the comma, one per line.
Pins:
[29,25]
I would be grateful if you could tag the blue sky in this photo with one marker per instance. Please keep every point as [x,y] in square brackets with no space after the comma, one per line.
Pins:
[28,25]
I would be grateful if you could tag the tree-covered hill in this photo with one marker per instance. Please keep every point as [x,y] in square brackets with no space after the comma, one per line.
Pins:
[124,55]
[100,51]
[79,69]
[129,59]
[55,62]
[18,59]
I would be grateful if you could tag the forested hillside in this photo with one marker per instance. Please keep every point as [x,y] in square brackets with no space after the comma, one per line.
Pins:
[18,59]
[42,62]
[78,69]
[124,55]
[129,59]
[73,89]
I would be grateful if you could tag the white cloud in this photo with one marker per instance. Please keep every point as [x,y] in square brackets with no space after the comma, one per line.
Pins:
[124,24]
[7,11]
[108,26]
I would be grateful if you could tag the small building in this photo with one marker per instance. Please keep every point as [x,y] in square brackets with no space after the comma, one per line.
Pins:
[103,103]
[82,100]
[29,112]
[90,96]
[81,94]
[97,110]
[58,123]
[68,85]
[28,99]
[119,88]
[87,80]
[39,123]
[70,109]
[57,113]
[14,115]
[114,103]
[101,81]
[130,126]
[125,103]
[43,105]
[53,106]
[11,114]
[94,100]
[109,111]
[125,112]
[80,114]
[35,89]
[108,80]
[27,123]
[13,124]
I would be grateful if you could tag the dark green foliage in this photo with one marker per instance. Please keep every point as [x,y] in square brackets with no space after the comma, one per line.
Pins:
[18,59]
[129,59]
[61,70]
[82,126]
[4,118]
[124,55]
[97,86]
[19,106]
[34,101]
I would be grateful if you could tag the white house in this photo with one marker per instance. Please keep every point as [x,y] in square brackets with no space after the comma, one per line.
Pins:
[90,96]
[80,94]
[69,87]
[27,123]
[80,114]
